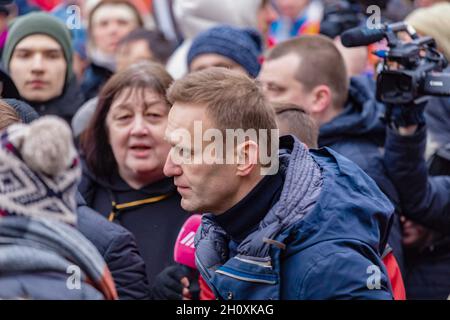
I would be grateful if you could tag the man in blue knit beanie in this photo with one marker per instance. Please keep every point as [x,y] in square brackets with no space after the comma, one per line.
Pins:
[226,46]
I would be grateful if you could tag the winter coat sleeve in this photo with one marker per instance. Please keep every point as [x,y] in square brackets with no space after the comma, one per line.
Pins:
[86,187]
[119,250]
[424,199]
[127,268]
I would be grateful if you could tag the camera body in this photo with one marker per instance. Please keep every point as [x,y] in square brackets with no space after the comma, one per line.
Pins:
[410,69]
[403,87]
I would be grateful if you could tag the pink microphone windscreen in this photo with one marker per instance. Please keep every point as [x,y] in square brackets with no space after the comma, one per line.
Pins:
[184,251]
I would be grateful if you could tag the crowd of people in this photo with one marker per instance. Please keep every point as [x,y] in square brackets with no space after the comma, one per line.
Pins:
[101,173]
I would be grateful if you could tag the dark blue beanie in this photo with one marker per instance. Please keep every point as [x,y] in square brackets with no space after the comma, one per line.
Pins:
[243,46]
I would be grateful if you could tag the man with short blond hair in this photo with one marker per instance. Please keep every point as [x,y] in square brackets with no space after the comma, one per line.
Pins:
[312,229]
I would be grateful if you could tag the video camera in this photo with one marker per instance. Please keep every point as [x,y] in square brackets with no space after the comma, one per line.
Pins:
[410,69]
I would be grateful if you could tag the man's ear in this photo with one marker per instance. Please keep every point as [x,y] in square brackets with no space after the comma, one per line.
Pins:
[247,157]
[321,99]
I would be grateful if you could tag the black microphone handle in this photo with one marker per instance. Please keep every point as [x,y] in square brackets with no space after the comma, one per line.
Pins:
[357,37]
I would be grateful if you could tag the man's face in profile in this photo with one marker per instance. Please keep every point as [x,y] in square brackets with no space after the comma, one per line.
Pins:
[204,186]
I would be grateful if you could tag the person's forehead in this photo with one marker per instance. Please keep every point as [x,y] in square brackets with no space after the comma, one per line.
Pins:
[38,42]
[212,59]
[281,68]
[134,96]
[125,49]
[139,46]
[184,116]
[113,11]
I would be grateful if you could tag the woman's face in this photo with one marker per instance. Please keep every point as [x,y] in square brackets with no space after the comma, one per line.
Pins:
[136,123]
[291,8]
[110,23]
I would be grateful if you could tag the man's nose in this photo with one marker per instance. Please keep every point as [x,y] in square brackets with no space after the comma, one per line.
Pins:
[171,169]
[37,63]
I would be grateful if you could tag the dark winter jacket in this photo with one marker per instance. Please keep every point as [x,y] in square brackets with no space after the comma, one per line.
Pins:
[424,199]
[428,271]
[94,78]
[64,106]
[155,225]
[118,248]
[9,89]
[358,133]
[322,239]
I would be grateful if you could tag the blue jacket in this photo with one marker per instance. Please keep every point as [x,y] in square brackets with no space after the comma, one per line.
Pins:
[321,240]
[359,134]
[424,199]
[118,248]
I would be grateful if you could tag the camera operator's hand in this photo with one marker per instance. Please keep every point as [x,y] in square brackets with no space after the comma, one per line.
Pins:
[407,131]
[406,118]
[176,282]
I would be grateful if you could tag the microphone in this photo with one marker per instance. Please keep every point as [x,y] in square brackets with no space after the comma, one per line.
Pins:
[357,37]
[184,251]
